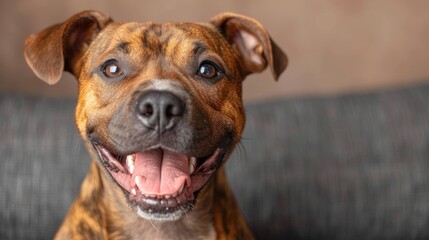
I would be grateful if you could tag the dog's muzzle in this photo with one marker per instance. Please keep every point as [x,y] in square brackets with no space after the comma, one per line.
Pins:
[160,179]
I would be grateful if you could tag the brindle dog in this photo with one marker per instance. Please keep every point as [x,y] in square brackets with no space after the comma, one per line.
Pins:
[160,110]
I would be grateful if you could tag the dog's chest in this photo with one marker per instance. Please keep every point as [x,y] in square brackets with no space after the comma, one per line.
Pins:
[161,232]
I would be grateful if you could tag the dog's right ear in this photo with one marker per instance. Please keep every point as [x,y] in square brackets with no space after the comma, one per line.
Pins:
[59,47]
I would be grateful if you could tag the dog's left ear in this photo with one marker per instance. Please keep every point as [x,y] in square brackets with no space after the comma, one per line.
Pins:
[252,42]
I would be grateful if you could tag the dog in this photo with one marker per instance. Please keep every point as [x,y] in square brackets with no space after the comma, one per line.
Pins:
[160,110]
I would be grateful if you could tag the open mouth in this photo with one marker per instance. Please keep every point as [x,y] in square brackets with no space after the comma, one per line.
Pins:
[160,184]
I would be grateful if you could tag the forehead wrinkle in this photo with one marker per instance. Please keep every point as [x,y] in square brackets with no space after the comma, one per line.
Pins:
[199,47]
[160,39]
[123,47]
[113,41]
[205,34]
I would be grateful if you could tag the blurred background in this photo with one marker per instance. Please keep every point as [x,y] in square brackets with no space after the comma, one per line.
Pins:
[333,46]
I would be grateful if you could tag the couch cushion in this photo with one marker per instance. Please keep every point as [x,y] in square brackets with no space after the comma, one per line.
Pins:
[345,167]
[43,162]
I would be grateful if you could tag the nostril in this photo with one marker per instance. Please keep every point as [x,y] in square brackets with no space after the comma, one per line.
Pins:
[169,111]
[147,110]
[173,110]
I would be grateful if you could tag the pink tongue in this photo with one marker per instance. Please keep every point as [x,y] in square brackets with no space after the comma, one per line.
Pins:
[162,172]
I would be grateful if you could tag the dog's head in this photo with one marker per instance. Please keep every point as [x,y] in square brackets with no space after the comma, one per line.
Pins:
[160,105]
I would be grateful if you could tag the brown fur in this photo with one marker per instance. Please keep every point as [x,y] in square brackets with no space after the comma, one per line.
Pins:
[153,51]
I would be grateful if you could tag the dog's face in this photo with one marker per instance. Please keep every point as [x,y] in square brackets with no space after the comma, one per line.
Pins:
[162,109]
[159,104]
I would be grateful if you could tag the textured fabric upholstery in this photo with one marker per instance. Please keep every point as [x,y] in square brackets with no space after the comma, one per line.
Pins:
[345,167]
[348,167]
[43,161]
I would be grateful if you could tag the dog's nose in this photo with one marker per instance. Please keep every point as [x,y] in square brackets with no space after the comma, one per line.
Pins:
[160,110]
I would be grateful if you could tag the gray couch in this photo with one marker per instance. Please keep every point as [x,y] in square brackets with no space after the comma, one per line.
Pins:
[344,167]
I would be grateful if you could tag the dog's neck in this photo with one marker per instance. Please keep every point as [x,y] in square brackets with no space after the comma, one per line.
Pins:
[122,222]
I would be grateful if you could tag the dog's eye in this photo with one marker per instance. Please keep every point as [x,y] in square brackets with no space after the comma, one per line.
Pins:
[207,70]
[112,69]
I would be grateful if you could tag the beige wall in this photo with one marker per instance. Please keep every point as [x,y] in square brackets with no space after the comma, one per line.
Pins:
[333,46]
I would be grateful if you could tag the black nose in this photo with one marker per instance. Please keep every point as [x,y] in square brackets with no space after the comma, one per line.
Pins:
[160,110]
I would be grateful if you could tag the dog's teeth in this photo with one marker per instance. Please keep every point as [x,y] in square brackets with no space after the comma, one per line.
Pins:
[134,191]
[181,189]
[192,164]
[138,180]
[174,195]
[167,196]
[130,162]
[191,169]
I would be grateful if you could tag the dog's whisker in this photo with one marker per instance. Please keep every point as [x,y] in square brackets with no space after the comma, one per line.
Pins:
[242,155]
[153,225]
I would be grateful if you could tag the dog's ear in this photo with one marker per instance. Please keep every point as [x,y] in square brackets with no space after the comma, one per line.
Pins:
[59,47]
[252,42]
